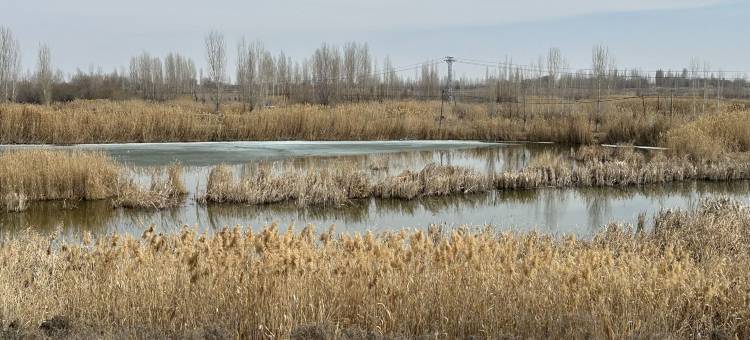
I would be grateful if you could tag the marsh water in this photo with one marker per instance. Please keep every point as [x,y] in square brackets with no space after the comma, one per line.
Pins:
[580,211]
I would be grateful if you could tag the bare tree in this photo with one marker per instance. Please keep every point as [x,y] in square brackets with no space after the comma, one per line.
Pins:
[44,74]
[326,72]
[600,60]
[216,57]
[10,64]
[147,76]
[694,70]
[365,67]
[247,73]
[350,64]
[554,64]
[179,75]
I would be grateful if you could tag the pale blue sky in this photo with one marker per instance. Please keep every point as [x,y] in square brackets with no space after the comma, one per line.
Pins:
[644,33]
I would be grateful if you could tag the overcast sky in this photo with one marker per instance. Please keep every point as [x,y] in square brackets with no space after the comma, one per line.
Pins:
[644,33]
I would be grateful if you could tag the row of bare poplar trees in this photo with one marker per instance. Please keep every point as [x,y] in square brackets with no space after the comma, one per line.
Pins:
[350,73]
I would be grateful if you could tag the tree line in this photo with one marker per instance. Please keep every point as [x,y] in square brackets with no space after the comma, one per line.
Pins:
[334,74]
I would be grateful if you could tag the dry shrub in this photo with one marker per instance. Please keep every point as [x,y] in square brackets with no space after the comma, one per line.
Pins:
[595,166]
[550,160]
[593,153]
[574,129]
[220,185]
[684,276]
[692,140]
[162,193]
[335,186]
[432,180]
[15,202]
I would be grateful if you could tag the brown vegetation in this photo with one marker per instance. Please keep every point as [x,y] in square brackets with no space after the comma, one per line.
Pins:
[432,180]
[588,167]
[162,193]
[104,121]
[712,136]
[326,187]
[684,276]
[622,167]
[28,175]
[38,175]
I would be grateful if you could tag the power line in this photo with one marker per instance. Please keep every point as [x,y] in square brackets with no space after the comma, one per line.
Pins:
[495,63]
[668,74]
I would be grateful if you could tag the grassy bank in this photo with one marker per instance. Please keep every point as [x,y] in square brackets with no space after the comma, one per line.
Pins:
[684,276]
[137,121]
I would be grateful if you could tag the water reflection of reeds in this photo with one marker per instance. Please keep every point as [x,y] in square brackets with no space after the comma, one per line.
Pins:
[431,204]
[487,159]
[76,217]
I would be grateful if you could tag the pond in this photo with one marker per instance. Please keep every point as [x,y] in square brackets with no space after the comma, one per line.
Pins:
[580,211]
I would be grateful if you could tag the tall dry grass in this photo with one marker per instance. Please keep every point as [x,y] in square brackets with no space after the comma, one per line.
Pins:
[711,136]
[684,276]
[587,167]
[432,180]
[104,121]
[28,175]
[37,175]
[164,191]
[337,185]
[622,168]
[334,186]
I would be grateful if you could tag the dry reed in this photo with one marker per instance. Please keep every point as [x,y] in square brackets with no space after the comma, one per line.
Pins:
[104,121]
[28,175]
[38,174]
[589,167]
[684,276]
[326,187]
[711,136]
[629,168]
[162,193]
[432,180]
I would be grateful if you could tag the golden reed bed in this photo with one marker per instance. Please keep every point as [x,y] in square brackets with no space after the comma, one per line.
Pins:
[28,175]
[105,121]
[683,276]
[597,167]
[37,174]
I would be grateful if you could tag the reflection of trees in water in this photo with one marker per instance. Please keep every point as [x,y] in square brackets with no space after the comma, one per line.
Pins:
[517,196]
[432,204]
[550,202]
[74,218]
[599,200]
[218,215]
[598,204]
[168,220]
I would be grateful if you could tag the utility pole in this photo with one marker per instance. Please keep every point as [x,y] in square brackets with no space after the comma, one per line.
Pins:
[450,61]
